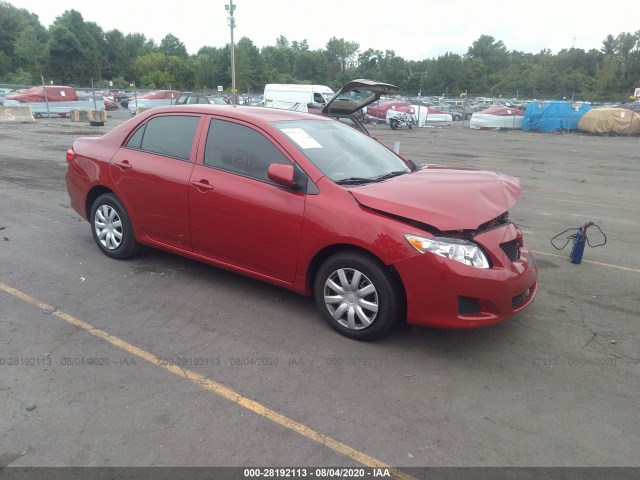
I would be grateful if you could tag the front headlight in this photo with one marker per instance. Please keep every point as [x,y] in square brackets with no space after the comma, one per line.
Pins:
[459,250]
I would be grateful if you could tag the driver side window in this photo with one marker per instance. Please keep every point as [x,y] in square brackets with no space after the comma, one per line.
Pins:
[239,149]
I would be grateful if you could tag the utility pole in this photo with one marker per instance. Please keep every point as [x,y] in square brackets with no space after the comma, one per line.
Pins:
[232,24]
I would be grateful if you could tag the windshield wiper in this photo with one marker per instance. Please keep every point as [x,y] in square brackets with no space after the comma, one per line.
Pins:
[355,181]
[389,175]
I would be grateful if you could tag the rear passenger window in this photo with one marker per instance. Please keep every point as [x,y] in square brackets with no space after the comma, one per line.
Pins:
[239,149]
[170,135]
[135,141]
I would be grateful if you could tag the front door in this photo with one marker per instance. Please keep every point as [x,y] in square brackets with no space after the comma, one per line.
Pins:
[238,216]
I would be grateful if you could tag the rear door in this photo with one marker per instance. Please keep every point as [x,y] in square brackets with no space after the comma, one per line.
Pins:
[151,173]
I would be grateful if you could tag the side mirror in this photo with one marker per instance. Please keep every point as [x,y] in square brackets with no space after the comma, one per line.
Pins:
[281,174]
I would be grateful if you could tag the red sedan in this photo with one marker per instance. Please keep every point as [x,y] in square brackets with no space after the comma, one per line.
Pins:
[310,204]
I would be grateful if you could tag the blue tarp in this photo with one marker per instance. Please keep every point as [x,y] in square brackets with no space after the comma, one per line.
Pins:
[553,116]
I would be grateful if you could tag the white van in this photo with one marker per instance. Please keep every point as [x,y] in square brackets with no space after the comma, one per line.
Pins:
[296,96]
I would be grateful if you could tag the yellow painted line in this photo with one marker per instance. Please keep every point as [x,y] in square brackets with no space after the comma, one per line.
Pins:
[589,261]
[216,388]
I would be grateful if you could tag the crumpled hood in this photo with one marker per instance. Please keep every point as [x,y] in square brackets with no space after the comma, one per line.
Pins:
[445,198]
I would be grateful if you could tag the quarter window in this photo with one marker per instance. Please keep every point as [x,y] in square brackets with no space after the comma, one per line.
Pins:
[170,135]
[240,149]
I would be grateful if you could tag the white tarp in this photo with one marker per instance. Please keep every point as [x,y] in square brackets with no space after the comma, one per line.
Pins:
[486,121]
[39,109]
[429,116]
[496,118]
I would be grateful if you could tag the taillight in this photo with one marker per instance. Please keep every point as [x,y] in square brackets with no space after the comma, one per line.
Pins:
[70,155]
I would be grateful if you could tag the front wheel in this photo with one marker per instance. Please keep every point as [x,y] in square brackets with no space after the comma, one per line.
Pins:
[111,228]
[357,295]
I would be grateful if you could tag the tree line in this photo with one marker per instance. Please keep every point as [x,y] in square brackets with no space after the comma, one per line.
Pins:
[75,52]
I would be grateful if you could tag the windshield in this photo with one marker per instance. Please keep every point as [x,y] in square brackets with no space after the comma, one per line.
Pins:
[341,153]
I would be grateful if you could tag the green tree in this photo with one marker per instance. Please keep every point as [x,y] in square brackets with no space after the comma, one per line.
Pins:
[282,42]
[171,46]
[445,76]
[153,71]
[625,44]
[302,46]
[609,45]
[608,77]
[341,53]
[29,54]
[248,66]
[210,68]
[74,57]
[277,61]
[116,60]
[313,66]
[15,26]
[74,51]
[135,45]
[492,52]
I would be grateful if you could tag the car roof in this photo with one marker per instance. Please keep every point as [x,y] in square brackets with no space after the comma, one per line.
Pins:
[247,113]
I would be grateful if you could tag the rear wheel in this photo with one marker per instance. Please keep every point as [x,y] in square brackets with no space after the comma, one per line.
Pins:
[111,228]
[393,123]
[357,296]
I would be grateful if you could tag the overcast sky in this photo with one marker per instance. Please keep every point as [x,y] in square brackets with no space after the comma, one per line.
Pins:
[414,29]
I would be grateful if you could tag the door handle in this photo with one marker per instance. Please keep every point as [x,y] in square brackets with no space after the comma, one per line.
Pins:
[202,185]
[124,165]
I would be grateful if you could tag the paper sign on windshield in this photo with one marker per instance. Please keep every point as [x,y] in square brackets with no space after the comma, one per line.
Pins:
[302,138]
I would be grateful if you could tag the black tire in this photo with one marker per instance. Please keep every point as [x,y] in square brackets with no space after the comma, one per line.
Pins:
[370,293]
[111,228]
[393,123]
[95,123]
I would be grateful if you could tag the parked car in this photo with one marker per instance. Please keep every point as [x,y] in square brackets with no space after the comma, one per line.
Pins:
[254,100]
[124,100]
[310,204]
[456,114]
[156,98]
[218,100]
[98,99]
[189,98]
[109,105]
